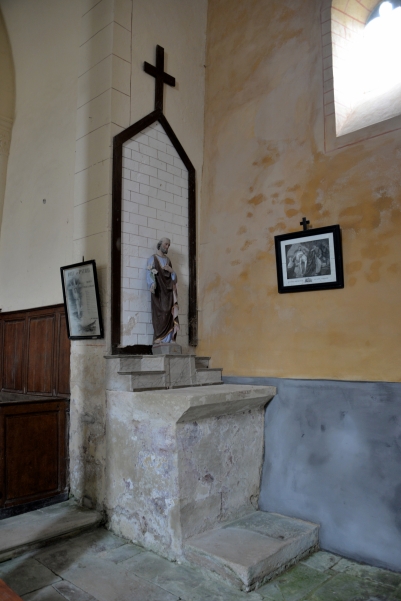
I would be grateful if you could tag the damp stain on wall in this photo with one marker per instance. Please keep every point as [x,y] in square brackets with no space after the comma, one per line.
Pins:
[265,166]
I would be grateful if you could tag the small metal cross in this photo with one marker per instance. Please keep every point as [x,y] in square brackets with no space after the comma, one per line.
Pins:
[304,223]
[160,76]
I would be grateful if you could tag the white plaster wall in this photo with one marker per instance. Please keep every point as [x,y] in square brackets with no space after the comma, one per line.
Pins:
[102,112]
[155,205]
[179,26]
[36,238]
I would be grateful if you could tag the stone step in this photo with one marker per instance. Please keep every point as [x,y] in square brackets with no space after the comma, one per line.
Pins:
[146,380]
[36,528]
[142,363]
[208,376]
[250,551]
[202,362]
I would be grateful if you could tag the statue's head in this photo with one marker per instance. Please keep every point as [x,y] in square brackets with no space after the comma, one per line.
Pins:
[163,245]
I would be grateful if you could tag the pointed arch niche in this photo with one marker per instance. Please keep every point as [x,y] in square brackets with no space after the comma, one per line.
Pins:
[355,108]
[153,197]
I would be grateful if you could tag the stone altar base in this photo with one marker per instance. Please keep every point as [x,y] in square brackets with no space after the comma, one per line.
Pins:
[182,464]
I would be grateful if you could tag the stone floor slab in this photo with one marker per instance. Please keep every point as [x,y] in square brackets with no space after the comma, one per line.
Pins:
[35,528]
[249,551]
[44,594]
[321,561]
[364,571]
[82,551]
[185,582]
[70,592]
[295,584]
[107,581]
[98,566]
[344,587]
[25,574]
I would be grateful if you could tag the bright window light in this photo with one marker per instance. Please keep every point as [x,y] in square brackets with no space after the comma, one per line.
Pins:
[379,52]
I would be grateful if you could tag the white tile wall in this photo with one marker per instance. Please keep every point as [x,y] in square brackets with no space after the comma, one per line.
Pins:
[154,205]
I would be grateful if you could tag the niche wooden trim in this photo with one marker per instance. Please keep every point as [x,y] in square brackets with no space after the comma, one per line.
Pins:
[118,142]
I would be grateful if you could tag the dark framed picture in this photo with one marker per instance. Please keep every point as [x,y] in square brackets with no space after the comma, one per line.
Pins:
[82,301]
[309,260]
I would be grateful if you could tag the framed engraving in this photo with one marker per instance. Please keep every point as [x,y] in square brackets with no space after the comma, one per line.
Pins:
[82,301]
[309,260]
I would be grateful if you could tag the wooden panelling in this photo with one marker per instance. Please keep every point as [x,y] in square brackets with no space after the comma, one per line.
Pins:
[33,446]
[63,375]
[13,355]
[35,352]
[41,332]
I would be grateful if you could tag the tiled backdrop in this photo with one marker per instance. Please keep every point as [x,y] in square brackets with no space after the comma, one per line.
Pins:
[155,205]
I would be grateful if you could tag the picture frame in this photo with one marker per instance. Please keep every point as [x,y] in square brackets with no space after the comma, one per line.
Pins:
[82,301]
[309,260]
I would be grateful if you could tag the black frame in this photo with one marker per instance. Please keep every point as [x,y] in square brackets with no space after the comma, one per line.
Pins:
[320,284]
[92,263]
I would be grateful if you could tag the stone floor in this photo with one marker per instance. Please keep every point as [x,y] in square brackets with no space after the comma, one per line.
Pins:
[98,566]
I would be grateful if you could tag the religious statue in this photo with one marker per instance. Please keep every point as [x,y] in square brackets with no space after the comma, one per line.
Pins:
[162,283]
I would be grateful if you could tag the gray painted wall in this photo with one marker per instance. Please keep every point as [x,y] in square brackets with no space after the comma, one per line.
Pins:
[333,456]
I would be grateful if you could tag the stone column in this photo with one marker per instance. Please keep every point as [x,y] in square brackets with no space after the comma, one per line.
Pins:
[103,110]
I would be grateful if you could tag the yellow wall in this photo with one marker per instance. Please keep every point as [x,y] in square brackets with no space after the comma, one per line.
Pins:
[36,238]
[265,168]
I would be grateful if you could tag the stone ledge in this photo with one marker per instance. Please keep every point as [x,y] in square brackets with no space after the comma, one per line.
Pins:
[188,404]
[36,528]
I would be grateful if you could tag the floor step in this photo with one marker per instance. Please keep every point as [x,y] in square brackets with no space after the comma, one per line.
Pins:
[202,362]
[253,549]
[35,528]
[208,376]
[146,380]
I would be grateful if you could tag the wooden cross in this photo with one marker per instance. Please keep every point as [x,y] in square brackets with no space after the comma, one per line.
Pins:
[160,76]
[304,223]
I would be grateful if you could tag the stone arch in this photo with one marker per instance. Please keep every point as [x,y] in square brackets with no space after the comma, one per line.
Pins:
[7,105]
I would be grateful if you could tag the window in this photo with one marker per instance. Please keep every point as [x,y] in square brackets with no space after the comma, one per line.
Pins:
[362,54]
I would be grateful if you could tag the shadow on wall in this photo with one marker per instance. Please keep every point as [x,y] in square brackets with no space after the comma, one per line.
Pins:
[7,106]
[332,456]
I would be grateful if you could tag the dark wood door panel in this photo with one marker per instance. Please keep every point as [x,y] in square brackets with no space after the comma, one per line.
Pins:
[41,332]
[13,355]
[33,447]
[35,352]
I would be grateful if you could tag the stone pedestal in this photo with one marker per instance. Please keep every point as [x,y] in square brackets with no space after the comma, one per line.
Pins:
[181,462]
[167,348]
[153,372]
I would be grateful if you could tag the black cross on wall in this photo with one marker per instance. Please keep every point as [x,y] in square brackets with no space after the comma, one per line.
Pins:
[160,76]
[304,223]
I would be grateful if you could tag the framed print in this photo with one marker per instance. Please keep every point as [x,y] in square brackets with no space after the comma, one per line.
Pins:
[309,260]
[82,301]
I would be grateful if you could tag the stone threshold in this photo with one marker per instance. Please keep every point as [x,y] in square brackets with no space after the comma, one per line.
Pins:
[35,529]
